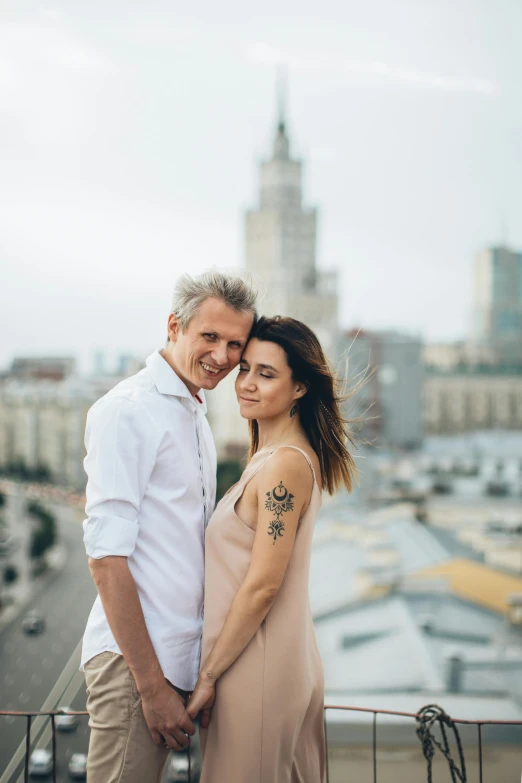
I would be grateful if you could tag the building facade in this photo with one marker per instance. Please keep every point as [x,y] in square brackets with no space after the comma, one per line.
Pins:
[389,369]
[41,368]
[280,256]
[42,426]
[472,399]
[281,239]
[497,315]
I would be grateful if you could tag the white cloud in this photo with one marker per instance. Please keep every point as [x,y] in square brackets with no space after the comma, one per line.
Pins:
[48,82]
[323,154]
[34,60]
[265,54]
[24,47]
[137,242]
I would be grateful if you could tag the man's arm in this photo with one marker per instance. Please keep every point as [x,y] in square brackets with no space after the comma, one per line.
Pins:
[121,453]
[163,709]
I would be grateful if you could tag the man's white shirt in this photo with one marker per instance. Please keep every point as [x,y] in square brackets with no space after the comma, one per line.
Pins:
[151,470]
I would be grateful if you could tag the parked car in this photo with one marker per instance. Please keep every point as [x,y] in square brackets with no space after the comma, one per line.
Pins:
[7,544]
[178,768]
[66,722]
[497,488]
[40,763]
[178,765]
[78,766]
[33,622]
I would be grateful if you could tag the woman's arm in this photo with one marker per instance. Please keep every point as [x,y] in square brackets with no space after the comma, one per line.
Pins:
[284,485]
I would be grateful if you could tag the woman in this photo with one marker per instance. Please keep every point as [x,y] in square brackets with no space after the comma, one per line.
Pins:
[259,649]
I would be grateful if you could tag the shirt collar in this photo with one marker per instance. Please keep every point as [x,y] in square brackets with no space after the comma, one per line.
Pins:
[167,382]
[202,406]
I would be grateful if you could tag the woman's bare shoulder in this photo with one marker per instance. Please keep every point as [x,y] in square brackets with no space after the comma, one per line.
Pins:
[291,460]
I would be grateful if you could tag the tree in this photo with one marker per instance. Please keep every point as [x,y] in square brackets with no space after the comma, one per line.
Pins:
[43,536]
[10,575]
[42,539]
[228,473]
[19,470]
[34,508]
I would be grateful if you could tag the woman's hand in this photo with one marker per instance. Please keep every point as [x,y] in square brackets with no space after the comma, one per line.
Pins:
[202,700]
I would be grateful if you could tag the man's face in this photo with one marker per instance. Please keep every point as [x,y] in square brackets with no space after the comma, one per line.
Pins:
[210,346]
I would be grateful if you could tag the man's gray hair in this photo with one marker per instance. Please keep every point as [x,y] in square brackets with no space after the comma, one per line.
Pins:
[191,292]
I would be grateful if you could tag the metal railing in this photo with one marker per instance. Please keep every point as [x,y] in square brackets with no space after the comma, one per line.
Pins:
[426,720]
[29,716]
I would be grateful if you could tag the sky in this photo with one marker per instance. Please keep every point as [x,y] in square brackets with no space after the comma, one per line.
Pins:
[131,133]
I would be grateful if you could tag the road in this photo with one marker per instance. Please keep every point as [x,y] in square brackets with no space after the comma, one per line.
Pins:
[35,668]
[30,666]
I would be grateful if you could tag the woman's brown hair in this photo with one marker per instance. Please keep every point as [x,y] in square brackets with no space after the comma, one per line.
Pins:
[320,408]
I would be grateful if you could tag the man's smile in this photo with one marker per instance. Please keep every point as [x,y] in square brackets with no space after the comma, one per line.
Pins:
[209,369]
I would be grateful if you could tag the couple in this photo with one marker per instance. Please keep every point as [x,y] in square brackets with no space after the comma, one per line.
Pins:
[251,668]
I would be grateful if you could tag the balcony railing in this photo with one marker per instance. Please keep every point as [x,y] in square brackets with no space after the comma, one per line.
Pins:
[429,721]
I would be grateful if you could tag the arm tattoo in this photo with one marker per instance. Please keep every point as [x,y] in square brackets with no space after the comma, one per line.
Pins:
[278,501]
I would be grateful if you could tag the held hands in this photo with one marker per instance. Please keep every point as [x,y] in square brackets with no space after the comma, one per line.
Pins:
[167,718]
[202,700]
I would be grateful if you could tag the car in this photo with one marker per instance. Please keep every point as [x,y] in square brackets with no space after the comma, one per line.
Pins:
[7,544]
[178,764]
[78,766]
[66,722]
[33,622]
[40,763]
[178,768]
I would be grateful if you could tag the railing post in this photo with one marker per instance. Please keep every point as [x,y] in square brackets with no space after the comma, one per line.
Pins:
[374,747]
[53,728]
[27,748]
[480,751]
[326,743]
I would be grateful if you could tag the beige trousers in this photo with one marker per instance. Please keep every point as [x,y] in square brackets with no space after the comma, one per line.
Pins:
[121,749]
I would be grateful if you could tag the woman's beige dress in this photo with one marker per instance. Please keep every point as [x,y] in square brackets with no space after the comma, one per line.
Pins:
[267,721]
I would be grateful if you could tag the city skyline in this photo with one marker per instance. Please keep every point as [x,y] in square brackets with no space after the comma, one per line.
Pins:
[125,164]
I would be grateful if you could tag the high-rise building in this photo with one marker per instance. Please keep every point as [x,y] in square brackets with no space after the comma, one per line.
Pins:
[497,326]
[42,419]
[387,366]
[42,425]
[280,255]
[281,246]
[469,398]
[41,368]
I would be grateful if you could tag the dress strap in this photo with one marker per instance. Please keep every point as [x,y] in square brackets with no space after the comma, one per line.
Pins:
[305,455]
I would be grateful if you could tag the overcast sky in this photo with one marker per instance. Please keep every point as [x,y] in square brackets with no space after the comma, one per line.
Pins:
[130,135]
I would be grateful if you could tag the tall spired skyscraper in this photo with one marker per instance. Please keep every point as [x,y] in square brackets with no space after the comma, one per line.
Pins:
[281,245]
[498,306]
[281,257]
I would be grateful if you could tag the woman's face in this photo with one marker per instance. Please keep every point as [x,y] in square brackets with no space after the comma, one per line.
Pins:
[264,385]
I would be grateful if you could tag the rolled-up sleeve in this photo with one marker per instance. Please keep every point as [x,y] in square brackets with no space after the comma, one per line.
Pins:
[122,445]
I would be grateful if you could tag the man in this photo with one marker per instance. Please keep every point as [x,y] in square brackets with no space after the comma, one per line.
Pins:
[151,468]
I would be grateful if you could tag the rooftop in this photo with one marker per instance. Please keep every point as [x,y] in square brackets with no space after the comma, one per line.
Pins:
[477,582]
[436,602]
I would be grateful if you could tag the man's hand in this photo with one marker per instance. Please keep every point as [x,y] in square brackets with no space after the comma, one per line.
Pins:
[202,700]
[167,718]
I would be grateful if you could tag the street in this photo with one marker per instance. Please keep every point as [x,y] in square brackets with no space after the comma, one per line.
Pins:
[32,665]
[41,672]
